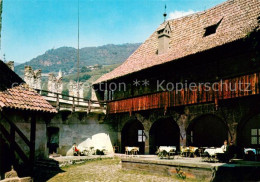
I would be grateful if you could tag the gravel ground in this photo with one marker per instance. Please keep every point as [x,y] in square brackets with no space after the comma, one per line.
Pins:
[105,170]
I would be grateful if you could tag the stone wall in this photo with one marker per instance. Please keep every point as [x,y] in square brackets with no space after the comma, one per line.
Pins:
[86,130]
[76,89]
[192,171]
[196,171]
[33,77]
[55,84]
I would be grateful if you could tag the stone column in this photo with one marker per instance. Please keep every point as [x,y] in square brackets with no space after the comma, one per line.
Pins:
[147,126]
[182,125]
[119,137]
[147,144]
[232,135]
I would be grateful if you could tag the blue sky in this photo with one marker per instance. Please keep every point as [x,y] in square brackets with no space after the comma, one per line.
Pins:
[30,27]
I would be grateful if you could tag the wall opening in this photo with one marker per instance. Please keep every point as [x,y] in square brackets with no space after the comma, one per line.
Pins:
[212,29]
[164,132]
[53,139]
[207,131]
[133,136]
[250,133]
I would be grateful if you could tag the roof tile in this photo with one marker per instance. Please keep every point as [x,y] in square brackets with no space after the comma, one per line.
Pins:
[23,97]
[239,18]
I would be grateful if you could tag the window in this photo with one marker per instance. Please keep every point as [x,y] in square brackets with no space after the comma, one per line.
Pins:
[160,31]
[141,136]
[111,95]
[255,136]
[211,29]
[191,136]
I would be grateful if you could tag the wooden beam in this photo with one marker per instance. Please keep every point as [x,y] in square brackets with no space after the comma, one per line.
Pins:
[17,130]
[57,102]
[89,106]
[73,105]
[12,142]
[32,140]
[16,147]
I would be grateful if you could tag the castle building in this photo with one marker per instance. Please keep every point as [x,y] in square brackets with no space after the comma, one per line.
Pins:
[193,82]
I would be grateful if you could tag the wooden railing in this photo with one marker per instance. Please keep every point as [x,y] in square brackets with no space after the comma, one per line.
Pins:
[245,86]
[72,103]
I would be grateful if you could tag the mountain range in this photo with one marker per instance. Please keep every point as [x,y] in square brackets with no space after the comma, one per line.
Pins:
[65,58]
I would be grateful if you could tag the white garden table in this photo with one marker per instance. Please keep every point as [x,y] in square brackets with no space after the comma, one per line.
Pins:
[167,148]
[132,150]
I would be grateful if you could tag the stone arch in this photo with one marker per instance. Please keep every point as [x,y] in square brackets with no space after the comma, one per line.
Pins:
[248,131]
[207,130]
[164,132]
[130,135]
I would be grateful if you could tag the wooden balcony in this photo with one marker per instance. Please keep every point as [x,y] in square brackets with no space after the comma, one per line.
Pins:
[245,86]
[64,102]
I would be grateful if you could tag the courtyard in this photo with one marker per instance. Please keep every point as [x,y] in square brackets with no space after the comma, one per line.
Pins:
[101,170]
[179,101]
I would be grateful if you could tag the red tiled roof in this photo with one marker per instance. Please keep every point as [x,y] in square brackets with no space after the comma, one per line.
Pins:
[186,37]
[19,96]
[25,98]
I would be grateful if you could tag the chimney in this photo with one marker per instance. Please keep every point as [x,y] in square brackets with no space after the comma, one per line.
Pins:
[10,64]
[164,39]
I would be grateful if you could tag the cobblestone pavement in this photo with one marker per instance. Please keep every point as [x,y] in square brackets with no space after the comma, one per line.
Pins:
[106,170]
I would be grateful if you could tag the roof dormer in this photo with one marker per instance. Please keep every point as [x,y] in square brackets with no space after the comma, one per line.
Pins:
[164,39]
